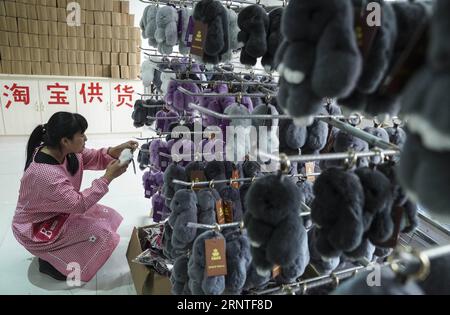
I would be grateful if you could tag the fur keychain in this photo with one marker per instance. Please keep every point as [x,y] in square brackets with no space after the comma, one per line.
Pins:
[174,171]
[179,277]
[274,38]
[166,33]
[151,26]
[184,210]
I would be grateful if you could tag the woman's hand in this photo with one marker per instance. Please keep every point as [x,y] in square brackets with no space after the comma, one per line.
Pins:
[115,151]
[114,170]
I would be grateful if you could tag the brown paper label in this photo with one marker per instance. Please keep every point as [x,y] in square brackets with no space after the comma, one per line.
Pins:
[219,212]
[365,34]
[309,167]
[216,259]
[235,175]
[397,216]
[228,211]
[199,37]
[276,270]
[198,176]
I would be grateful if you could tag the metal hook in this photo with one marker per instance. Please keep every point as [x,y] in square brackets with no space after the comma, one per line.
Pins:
[285,163]
[424,269]
[380,153]
[356,119]
[352,159]
[211,184]
[335,280]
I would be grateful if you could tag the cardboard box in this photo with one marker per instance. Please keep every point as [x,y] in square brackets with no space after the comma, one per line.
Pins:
[3,26]
[130,19]
[54,69]
[115,72]
[13,39]
[98,44]
[10,8]
[123,59]
[124,32]
[53,28]
[132,59]
[16,54]
[138,58]
[42,13]
[98,31]
[6,66]
[51,3]
[115,45]
[107,45]
[61,3]
[1,70]
[114,59]
[90,70]
[64,69]
[24,39]
[89,57]
[62,14]
[53,55]
[115,32]
[62,29]
[134,70]
[80,30]
[135,33]
[89,17]
[34,41]
[11,24]
[80,56]
[32,12]
[125,6]
[72,43]
[82,19]
[90,5]
[98,70]
[124,45]
[71,31]
[106,58]
[43,41]
[89,31]
[62,43]
[22,25]
[21,9]
[146,281]
[90,44]
[27,67]
[97,58]
[17,67]
[81,70]
[41,2]
[124,20]
[36,68]
[116,6]
[44,55]
[33,27]
[83,4]
[73,70]
[42,28]
[4,38]
[2,8]
[46,68]
[107,16]
[26,54]
[116,19]
[106,71]
[52,14]
[53,42]
[98,17]
[62,56]
[71,56]
[5,52]
[35,54]
[108,5]
[107,31]
[81,44]
[132,46]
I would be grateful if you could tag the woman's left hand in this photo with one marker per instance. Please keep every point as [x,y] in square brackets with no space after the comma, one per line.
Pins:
[115,151]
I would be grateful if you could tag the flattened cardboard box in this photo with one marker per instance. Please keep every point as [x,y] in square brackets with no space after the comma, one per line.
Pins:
[35,54]
[99,5]
[52,28]
[106,72]
[53,55]
[17,67]
[73,70]
[3,26]
[46,68]
[53,42]
[64,69]
[62,43]
[90,70]
[62,29]
[125,72]
[81,44]
[90,44]
[98,17]
[21,9]
[5,52]
[43,28]
[72,43]
[6,66]
[24,40]
[108,5]
[2,8]
[116,6]
[115,73]
[146,280]
[36,68]
[11,24]
[54,69]
[80,57]
[62,14]
[52,14]
[62,56]
[90,5]
[81,70]
[32,14]
[51,3]
[71,56]
[16,54]
[71,31]
[43,41]
[42,15]
[98,70]
[13,39]
[10,8]
[26,54]
[33,27]
[34,41]
[4,39]
[89,31]
[124,6]
[44,55]
[89,17]
[80,30]
[22,25]
[61,3]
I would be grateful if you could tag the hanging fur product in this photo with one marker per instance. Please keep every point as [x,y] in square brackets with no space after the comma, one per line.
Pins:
[143,21]
[307,191]
[389,285]
[345,142]
[250,169]
[381,134]
[319,264]
[206,210]
[167,247]
[397,136]
[179,277]
[199,282]
[273,222]
[232,195]
[291,137]
[274,38]
[238,260]
[185,14]
[317,135]
[254,279]
[254,24]
[184,210]
[423,175]
[151,26]
[214,14]
[338,211]
[378,203]
[233,31]
[323,39]
[174,171]
[166,34]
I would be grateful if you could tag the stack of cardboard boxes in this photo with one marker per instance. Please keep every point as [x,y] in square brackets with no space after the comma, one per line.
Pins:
[94,38]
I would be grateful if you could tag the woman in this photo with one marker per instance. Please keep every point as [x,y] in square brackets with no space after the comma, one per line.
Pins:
[54,220]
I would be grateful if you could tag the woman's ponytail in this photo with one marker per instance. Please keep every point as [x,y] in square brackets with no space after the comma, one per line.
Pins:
[35,140]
